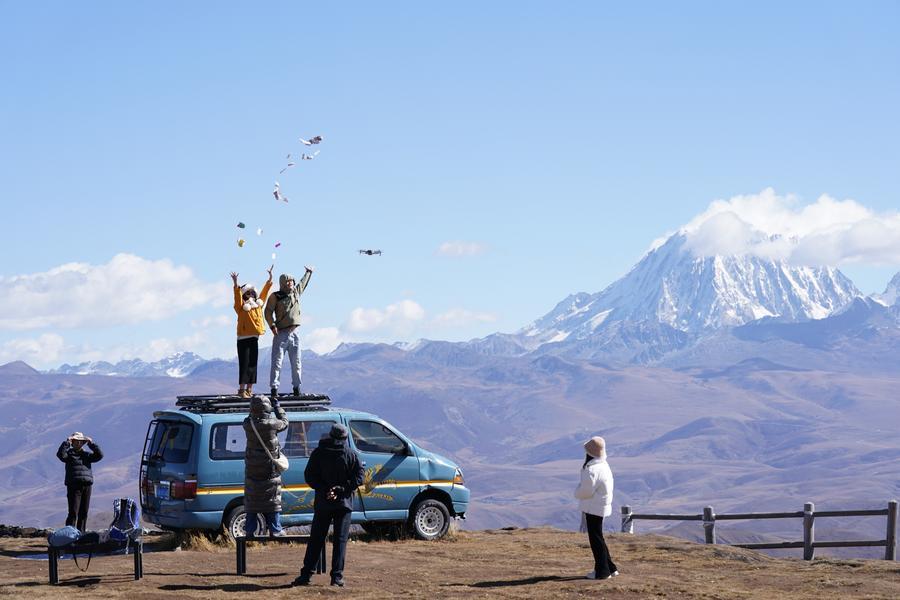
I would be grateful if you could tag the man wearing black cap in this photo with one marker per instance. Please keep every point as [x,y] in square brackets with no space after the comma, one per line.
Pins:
[333,472]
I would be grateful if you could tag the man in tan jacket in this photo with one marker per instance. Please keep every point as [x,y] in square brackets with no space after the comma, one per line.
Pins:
[283,317]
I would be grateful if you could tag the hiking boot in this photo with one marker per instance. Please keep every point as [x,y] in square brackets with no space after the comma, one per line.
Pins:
[296,391]
[338,581]
[303,579]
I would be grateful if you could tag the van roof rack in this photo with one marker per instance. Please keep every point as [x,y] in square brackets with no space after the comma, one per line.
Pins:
[232,403]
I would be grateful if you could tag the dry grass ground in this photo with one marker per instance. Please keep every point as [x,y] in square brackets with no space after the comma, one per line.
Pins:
[527,563]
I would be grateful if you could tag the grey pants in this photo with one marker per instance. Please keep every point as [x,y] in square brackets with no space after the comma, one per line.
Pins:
[290,341]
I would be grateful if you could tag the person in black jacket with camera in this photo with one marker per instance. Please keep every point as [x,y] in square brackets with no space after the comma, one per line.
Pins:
[333,472]
[79,476]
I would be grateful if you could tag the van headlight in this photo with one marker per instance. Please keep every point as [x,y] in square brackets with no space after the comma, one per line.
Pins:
[458,478]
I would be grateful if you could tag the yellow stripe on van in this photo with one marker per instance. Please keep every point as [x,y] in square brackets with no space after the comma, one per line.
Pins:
[302,488]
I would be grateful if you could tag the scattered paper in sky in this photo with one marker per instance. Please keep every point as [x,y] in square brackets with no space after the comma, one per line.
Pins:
[277,193]
[277,244]
[259,230]
[289,165]
[241,225]
[309,156]
[241,242]
[311,141]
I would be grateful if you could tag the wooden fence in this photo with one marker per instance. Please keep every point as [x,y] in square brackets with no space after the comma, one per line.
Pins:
[808,514]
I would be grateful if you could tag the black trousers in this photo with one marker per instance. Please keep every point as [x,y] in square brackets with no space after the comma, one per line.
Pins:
[248,352]
[79,497]
[322,518]
[603,564]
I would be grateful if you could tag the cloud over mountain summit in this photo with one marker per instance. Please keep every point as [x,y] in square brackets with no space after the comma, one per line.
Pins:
[826,232]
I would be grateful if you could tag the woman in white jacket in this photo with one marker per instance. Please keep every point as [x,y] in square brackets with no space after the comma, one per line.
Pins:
[594,495]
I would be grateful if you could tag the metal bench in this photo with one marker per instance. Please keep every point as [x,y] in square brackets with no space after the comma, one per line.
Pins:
[241,550]
[54,554]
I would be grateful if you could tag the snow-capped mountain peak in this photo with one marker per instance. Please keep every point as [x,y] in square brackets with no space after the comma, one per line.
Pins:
[177,365]
[891,295]
[673,288]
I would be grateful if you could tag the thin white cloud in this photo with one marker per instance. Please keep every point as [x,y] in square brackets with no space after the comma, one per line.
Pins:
[401,321]
[128,289]
[210,322]
[825,232]
[324,339]
[458,249]
[457,317]
[396,319]
[43,350]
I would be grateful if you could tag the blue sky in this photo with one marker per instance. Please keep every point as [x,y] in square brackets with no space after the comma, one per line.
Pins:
[556,141]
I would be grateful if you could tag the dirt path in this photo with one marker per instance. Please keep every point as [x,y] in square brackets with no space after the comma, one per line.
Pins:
[530,563]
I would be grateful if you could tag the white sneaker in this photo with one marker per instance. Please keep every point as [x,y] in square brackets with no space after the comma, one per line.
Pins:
[614,574]
[593,575]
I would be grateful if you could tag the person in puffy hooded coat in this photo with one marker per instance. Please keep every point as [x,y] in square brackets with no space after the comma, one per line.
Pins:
[262,482]
[594,494]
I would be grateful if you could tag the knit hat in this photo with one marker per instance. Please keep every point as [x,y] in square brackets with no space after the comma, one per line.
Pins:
[596,447]
[338,432]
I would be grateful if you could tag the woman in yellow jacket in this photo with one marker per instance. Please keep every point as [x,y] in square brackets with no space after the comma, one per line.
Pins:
[250,325]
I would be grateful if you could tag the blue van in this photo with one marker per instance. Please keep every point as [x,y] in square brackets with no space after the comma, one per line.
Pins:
[192,468]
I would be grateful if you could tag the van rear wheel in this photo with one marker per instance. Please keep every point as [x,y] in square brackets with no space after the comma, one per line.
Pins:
[236,520]
[430,520]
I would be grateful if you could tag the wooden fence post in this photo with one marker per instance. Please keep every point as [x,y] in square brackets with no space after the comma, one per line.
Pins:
[709,525]
[890,552]
[627,522]
[809,532]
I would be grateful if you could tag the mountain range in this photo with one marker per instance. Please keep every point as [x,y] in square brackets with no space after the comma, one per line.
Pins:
[737,381]
[672,306]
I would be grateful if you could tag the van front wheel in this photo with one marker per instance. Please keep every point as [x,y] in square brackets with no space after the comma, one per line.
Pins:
[236,520]
[430,520]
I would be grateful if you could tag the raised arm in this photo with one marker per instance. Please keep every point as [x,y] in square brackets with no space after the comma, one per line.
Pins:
[304,281]
[96,452]
[268,285]
[238,301]
[63,450]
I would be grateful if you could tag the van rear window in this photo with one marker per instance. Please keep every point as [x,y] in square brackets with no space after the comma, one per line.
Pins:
[172,441]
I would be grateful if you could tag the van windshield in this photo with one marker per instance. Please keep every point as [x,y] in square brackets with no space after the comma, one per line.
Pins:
[171,441]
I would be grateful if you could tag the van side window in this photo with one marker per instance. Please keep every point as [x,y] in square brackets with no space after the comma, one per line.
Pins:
[228,441]
[303,437]
[370,436]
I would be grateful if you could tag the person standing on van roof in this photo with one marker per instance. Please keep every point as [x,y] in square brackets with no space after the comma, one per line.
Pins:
[250,326]
[283,317]
[262,481]
[334,471]
[79,476]
[595,494]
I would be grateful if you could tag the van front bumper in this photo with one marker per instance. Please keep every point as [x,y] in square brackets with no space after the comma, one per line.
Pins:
[187,519]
